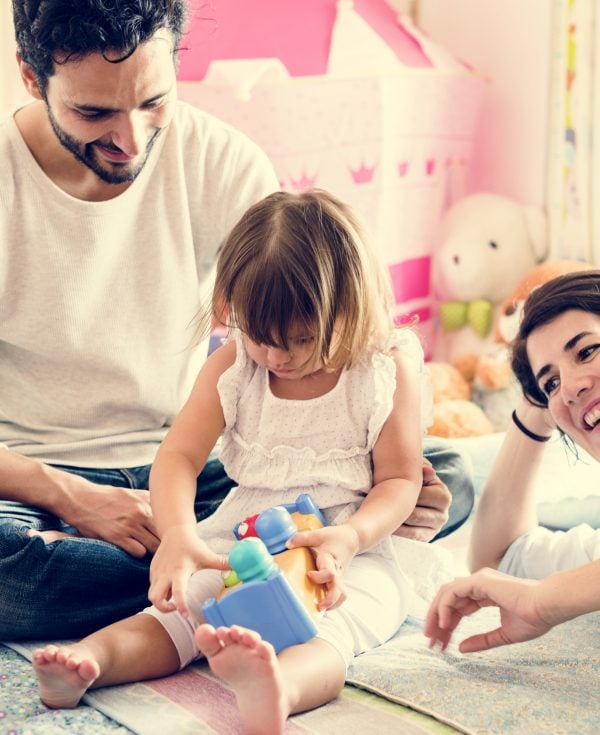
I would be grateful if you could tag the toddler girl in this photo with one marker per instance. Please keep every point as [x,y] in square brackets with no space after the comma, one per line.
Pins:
[313,391]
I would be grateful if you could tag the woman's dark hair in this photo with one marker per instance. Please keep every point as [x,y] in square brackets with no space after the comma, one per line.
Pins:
[71,29]
[580,290]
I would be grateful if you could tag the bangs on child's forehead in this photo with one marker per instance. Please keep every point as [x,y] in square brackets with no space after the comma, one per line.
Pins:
[271,305]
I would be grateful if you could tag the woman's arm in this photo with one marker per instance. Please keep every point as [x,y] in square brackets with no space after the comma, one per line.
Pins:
[506,509]
[528,608]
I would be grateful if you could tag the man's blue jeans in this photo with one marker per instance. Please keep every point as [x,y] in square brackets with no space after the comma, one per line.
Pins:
[68,588]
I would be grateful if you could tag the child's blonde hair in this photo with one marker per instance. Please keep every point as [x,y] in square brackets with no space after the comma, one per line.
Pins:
[302,260]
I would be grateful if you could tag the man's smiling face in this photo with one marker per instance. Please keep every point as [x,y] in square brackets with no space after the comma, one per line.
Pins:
[108,115]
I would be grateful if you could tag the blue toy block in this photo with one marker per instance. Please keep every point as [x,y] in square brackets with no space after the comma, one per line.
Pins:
[306,505]
[269,607]
[264,600]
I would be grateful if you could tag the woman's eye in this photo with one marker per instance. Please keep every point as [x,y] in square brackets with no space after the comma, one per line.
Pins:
[587,352]
[550,385]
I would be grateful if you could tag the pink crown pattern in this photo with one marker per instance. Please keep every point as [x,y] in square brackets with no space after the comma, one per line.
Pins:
[363,175]
[304,182]
[403,168]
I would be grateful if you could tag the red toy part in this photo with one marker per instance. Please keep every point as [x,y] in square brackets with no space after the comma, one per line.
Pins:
[246,528]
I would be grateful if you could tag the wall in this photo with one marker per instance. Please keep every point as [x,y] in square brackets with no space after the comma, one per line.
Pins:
[12,91]
[508,41]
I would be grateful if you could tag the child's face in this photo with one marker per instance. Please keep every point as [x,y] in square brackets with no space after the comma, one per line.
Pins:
[295,363]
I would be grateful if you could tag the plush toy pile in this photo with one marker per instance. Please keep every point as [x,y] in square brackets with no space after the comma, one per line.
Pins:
[485,265]
[486,243]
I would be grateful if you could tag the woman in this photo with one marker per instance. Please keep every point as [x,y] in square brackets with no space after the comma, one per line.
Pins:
[556,358]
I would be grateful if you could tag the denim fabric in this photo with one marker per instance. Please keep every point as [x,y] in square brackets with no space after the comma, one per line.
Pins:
[70,587]
[453,469]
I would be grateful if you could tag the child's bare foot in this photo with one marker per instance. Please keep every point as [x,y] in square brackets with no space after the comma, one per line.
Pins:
[64,675]
[246,662]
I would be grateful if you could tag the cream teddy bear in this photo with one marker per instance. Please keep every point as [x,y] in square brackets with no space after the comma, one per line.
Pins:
[485,244]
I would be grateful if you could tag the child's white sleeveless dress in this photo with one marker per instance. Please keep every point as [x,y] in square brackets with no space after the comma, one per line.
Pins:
[277,448]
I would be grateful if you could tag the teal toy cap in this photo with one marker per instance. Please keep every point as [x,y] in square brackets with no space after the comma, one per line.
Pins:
[250,560]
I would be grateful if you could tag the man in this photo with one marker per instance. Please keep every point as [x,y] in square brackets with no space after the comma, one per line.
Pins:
[113,203]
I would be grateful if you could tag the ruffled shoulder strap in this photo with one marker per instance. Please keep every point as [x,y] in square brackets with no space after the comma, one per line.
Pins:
[234,380]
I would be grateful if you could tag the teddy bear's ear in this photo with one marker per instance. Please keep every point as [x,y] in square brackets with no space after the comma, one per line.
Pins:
[535,221]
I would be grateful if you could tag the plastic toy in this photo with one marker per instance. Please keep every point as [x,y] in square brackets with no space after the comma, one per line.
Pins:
[268,589]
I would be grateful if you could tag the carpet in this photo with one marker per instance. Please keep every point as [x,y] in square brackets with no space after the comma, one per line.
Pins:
[192,701]
[544,686]
[548,685]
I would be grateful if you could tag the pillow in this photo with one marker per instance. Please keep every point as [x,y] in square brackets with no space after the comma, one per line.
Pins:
[568,488]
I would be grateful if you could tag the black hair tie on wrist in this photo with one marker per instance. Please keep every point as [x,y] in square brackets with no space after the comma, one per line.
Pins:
[526,431]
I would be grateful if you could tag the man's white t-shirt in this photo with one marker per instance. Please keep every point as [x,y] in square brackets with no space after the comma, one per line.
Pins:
[97,299]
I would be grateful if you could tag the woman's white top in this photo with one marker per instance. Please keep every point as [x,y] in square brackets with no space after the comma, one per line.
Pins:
[541,552]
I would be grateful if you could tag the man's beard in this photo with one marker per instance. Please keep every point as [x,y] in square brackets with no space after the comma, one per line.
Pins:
[86,154]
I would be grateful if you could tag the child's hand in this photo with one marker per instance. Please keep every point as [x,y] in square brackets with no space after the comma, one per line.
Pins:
[179,555]
[333,547]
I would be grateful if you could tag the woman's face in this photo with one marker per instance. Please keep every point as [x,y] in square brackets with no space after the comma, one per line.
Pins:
[565,358]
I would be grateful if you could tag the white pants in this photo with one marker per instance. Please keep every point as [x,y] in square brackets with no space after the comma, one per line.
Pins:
[541,552]
[376,606]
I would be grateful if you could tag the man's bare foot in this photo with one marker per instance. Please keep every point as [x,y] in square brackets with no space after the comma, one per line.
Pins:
[249,665]
[49,536]
[64,674]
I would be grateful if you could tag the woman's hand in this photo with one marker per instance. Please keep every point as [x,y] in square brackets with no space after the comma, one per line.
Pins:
[180,554]
[520,618]
[537,419]
[333,547]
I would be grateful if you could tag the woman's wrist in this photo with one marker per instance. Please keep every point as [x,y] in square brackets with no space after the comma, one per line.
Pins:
[532,421]
[569,593]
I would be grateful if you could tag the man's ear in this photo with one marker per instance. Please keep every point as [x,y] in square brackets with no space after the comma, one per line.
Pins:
[29,78]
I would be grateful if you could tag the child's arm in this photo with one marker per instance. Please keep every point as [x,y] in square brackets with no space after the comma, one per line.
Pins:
[179,461]
[397,476]
[397,459]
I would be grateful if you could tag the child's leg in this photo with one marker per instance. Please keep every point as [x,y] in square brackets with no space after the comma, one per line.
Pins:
[282,684]
[133,649]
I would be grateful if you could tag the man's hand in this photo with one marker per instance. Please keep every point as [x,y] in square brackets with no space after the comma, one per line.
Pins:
[121,516]
[431,511]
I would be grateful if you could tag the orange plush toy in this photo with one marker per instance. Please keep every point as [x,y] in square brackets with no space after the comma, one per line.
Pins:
[509,316]
[454,414]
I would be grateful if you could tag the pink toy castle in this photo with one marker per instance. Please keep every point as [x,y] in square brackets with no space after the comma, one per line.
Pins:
[348,97]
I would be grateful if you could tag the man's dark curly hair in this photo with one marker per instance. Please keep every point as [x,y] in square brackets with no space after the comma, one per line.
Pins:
[580,290]
[47,28]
